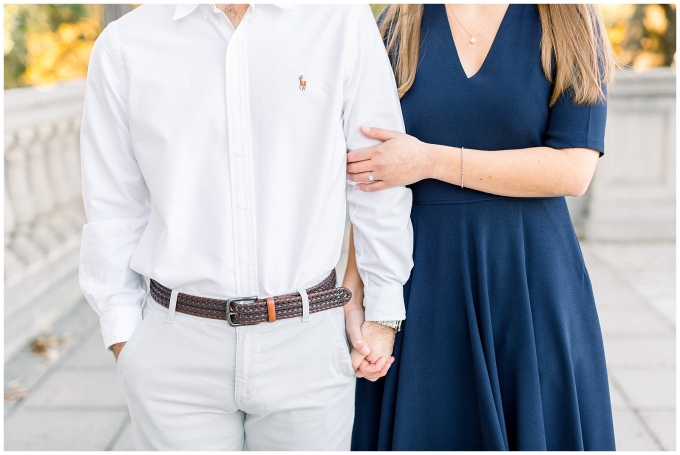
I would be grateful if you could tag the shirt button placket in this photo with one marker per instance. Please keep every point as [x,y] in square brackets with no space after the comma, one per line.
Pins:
[241,172]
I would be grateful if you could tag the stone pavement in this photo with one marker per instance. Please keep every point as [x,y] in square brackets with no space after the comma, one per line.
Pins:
[72,399]
[634,288]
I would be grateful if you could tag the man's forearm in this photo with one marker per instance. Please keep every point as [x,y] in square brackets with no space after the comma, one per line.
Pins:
[383,249]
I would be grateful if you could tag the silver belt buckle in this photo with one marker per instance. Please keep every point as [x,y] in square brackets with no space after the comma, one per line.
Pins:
[231,313]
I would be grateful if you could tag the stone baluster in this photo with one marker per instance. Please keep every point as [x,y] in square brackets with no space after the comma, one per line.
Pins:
[41,188]
[72,146]
[18,188]
[13,265]
[43,201]
[61,220]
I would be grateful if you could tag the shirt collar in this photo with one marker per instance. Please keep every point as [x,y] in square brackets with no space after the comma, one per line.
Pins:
[183,10]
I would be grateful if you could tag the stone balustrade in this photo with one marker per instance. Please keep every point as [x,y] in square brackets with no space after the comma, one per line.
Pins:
[632,196]
[43,207]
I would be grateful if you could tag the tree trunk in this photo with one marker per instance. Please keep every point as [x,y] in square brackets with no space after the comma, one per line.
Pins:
[113,12]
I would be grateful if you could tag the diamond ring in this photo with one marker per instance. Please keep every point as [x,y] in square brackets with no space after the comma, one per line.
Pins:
[370,176]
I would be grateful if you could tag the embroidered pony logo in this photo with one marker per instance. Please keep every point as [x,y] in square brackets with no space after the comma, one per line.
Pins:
[303,84]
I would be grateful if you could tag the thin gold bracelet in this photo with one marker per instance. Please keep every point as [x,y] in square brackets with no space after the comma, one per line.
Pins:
[462,167]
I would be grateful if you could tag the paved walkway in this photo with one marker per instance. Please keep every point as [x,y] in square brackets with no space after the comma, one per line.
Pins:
[72,398]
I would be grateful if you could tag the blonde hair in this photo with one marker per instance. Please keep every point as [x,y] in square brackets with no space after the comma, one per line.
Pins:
[574,40]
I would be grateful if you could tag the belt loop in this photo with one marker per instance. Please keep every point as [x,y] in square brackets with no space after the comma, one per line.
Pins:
[305,305]
[271,309]
[172,306]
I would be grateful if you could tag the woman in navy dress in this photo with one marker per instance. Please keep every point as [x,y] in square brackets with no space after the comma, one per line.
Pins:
[501,348]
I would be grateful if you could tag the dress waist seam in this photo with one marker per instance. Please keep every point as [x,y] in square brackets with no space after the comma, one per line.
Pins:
[480,199]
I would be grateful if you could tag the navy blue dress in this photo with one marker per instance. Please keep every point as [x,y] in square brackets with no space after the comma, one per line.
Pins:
[501,348]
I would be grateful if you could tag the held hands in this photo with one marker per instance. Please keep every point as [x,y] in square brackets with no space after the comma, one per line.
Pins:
[400,160]
[371,343]
[381,340]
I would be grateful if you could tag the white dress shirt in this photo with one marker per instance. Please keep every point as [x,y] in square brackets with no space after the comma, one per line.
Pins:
[240,137]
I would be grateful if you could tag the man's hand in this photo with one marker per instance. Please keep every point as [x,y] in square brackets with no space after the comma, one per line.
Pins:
[116,348]
[371,343]
[362,347]
[381,341]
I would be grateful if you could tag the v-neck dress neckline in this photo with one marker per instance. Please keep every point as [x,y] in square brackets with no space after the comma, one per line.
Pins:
[489,54]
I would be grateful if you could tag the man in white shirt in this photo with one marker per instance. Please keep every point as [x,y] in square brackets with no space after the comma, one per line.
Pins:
[236,120]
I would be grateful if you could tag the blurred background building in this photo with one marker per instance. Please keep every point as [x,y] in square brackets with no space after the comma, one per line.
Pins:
[631,200]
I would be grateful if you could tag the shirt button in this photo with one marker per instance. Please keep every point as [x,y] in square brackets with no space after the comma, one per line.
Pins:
[240,152]
[237,98]
[205,18]
[244,258]
[242,204]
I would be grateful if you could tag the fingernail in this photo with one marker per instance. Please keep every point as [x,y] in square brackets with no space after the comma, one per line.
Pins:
[365,350]
[366,128]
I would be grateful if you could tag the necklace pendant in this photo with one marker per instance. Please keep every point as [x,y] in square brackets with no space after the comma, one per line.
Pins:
[473,40]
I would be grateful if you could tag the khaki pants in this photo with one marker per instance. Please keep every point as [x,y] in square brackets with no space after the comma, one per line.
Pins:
[200,384]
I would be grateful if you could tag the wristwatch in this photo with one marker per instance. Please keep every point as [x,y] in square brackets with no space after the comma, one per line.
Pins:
[396,325]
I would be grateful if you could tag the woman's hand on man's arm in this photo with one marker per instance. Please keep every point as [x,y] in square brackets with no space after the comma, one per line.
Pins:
[531,172]
[400,160]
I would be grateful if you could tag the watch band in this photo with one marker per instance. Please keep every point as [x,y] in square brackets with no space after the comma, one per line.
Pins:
[396,325]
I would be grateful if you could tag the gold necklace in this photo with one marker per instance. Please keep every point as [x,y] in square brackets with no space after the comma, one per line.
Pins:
[472,38]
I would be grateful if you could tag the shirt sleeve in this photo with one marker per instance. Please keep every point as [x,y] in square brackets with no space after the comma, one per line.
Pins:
[383,235]
[576,126]
[114,193]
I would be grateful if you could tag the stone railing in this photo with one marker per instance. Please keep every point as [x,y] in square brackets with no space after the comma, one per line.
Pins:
[632,196]
[43,208]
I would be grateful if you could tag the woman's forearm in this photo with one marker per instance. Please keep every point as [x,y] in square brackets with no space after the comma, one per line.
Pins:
[531,172]
[352,279]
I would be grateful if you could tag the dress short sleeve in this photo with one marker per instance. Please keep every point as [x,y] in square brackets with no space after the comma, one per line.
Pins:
[576,126]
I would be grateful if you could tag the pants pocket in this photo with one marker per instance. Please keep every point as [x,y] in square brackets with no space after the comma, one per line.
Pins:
[337,315]
[131,346]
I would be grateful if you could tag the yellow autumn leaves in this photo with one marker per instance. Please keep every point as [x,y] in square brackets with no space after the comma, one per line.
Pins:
[64,54]
[45,43]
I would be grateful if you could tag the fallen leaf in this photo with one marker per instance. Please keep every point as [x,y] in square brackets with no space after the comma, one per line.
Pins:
[16,395]
[17,392]
[42,346]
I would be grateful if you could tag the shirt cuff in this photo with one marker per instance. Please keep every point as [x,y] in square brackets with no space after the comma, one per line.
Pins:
[118,324]
[384,303]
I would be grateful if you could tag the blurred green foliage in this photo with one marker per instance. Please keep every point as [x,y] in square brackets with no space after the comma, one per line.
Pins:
[377,9]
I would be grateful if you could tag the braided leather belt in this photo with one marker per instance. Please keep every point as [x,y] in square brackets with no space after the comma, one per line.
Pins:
[253,310]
